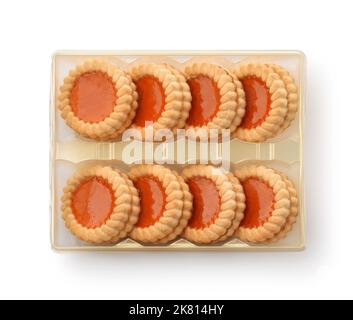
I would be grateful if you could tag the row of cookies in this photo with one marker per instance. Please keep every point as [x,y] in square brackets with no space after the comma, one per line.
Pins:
[156,205]
[254,101]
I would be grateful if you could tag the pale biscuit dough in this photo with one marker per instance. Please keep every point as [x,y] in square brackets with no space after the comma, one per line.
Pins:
[292,94]
[293,212]
[187,211]
[240,206]
[184,87]
[130,117]
[240,112]
[135,208]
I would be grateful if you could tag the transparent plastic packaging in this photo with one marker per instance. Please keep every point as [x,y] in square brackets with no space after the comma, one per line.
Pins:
[71,152]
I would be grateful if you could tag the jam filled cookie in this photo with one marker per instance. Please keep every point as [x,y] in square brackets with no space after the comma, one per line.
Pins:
[98,100]
[271,204]
[160,97]
[216,213]
[164,201]
[267,105]
[99,205]
[215,99]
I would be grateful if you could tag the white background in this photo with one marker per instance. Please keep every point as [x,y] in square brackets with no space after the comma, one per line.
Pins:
[30,31]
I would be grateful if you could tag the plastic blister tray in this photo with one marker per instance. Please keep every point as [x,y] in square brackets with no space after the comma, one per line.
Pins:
[70,152]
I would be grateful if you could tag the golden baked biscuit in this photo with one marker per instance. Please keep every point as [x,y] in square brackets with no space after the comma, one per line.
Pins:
[267,102]
[217,97]
[99,205]
[271,204]
[98,100]
[218,204]
[164,201]
[161,97]
[292,95]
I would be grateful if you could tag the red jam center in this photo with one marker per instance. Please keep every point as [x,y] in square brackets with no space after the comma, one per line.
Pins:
[93,96]
[152,200]
[206,204]
[151,100]
[258,102]
[260,201]
[205,100]
[93,202]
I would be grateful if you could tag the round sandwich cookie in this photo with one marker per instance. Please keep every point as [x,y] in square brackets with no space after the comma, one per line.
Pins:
[217,99]
[267,102]
[98,100]
[215,212]
[164,202]
[161,98]
[99,205]
[271,204]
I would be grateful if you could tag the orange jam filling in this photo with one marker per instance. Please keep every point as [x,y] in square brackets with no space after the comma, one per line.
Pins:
[205,100]
[258,102]
[93,96]
[93,202]
[260,201]
[151,100]
[206,203]
[152,200]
